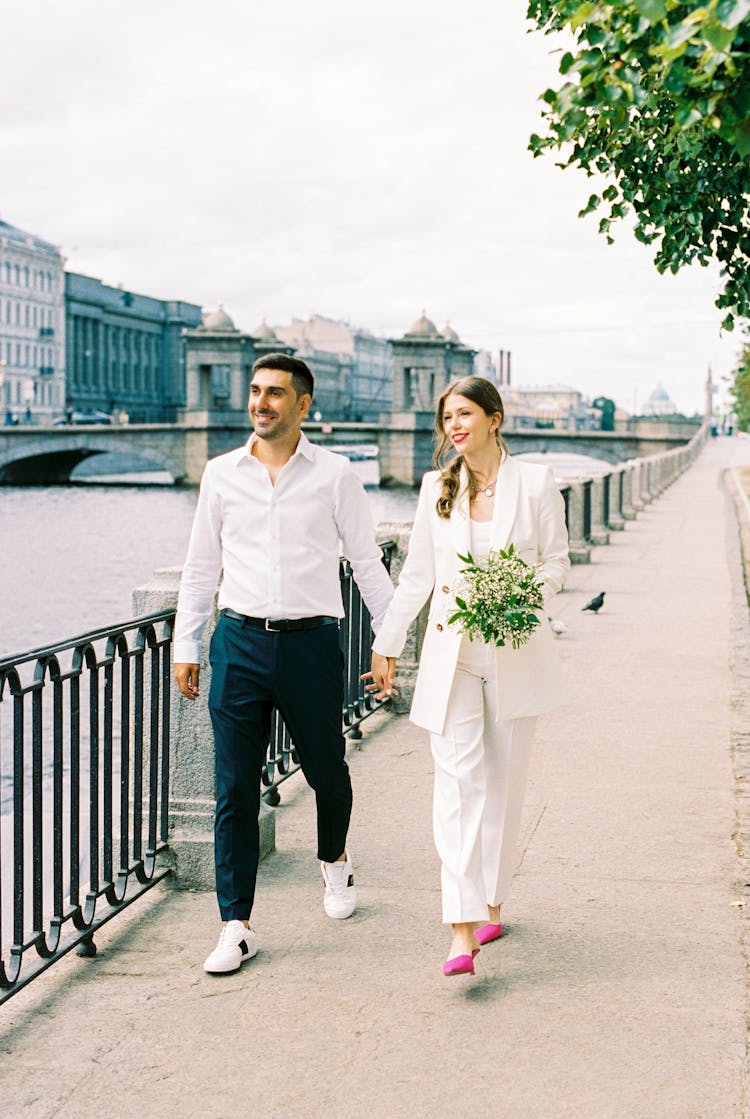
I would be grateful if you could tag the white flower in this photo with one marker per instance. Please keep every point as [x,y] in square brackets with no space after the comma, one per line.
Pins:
[498,602]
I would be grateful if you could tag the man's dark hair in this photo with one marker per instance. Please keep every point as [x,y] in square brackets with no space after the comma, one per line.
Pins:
[302,378]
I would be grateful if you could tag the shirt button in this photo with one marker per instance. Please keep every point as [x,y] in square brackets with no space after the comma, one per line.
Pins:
[446,590]
[439,627]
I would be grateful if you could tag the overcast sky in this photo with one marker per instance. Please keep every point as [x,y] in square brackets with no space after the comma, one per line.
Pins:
[364,163]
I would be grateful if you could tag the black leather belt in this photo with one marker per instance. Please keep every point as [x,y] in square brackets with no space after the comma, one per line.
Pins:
[281,625]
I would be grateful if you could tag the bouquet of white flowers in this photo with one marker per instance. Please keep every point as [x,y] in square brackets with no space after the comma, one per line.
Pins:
[499,600]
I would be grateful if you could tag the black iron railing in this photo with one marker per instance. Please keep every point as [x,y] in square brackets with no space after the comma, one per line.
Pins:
[84,778]
[84,785]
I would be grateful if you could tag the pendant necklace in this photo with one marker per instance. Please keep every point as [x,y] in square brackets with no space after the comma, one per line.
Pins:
[488,490]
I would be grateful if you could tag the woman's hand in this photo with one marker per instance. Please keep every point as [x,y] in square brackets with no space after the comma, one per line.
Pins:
[382,674]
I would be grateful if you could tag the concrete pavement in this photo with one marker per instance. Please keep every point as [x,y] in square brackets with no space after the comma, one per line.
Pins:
[620,990]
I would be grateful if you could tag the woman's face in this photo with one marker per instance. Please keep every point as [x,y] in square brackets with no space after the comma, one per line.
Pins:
[467,425]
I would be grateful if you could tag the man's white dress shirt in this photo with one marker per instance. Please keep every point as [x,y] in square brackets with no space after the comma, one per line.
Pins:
[278,545]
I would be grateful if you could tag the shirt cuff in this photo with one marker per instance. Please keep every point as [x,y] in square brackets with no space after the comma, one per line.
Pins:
[186,652]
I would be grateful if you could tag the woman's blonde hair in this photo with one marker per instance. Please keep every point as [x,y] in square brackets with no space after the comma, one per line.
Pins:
[482,392]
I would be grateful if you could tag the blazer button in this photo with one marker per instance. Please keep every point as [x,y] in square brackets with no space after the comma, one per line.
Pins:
[440,627]
[446,590]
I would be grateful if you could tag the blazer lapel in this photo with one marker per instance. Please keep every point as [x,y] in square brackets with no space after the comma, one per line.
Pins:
[506,503]
[460,523]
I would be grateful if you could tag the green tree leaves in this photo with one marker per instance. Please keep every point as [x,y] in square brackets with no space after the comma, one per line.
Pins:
[740,389]
[657,99]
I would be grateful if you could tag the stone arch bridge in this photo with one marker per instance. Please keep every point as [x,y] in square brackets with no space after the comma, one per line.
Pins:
[48,456]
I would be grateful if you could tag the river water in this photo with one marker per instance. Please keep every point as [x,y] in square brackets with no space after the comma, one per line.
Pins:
[71,555]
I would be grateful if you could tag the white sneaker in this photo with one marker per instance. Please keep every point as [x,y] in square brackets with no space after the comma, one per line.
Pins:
[340,899]
[236,944]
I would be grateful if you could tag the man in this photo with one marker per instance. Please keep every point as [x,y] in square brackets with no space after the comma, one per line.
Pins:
[270,515]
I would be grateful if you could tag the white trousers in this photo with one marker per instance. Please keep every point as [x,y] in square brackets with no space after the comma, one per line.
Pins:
[481,767]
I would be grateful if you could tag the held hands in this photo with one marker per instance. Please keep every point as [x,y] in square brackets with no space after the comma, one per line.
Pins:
[383,674]
[187,676]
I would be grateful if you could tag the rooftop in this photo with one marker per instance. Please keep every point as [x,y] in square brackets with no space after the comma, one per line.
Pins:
[217,320]
[14,236]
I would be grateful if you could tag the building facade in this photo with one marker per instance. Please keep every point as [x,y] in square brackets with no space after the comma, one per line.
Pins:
[425,360]
[659,403]
[219,365]
[32,327]
[125,352]
[557,407]
[352,367]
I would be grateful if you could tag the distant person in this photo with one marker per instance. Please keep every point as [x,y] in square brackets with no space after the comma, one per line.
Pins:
[270,515]
[478,702]
[9,418]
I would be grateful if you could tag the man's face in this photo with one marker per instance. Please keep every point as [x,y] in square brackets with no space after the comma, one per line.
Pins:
[274,407]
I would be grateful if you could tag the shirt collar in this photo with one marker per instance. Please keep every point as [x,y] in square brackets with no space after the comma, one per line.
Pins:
[304,447]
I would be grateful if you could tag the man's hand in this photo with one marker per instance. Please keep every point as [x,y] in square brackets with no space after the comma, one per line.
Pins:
[187,676]
[383,674]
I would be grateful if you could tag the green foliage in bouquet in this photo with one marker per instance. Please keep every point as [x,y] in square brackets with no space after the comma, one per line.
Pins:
[499,600]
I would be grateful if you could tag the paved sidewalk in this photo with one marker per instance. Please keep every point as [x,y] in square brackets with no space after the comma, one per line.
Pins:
[620,990]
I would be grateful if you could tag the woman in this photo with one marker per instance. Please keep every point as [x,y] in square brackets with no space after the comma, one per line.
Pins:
[478,702]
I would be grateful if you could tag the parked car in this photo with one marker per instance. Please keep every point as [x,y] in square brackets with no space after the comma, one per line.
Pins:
[83,418]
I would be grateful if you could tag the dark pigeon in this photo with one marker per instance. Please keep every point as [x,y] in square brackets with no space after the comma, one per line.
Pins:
[595,605]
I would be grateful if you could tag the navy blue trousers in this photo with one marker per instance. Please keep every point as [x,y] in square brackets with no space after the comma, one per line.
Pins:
[253,671]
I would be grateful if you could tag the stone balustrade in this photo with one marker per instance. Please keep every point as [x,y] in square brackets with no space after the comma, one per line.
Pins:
[596,506]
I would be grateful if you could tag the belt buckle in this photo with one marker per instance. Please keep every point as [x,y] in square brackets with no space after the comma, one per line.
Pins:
[269,627]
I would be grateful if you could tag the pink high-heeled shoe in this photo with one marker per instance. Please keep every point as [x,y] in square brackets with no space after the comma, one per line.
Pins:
[460,965]
[488,933]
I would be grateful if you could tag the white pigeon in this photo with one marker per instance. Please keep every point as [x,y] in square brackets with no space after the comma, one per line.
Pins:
[557,627]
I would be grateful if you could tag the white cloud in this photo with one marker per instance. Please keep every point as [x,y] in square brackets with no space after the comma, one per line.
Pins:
[290,158]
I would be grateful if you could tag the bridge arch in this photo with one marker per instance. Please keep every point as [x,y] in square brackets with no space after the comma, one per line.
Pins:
[34,462]
[543,442]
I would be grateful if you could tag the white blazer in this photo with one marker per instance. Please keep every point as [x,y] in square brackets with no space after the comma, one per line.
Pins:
[529,512]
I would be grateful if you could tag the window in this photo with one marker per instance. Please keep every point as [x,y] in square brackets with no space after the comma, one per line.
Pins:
[220,384]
